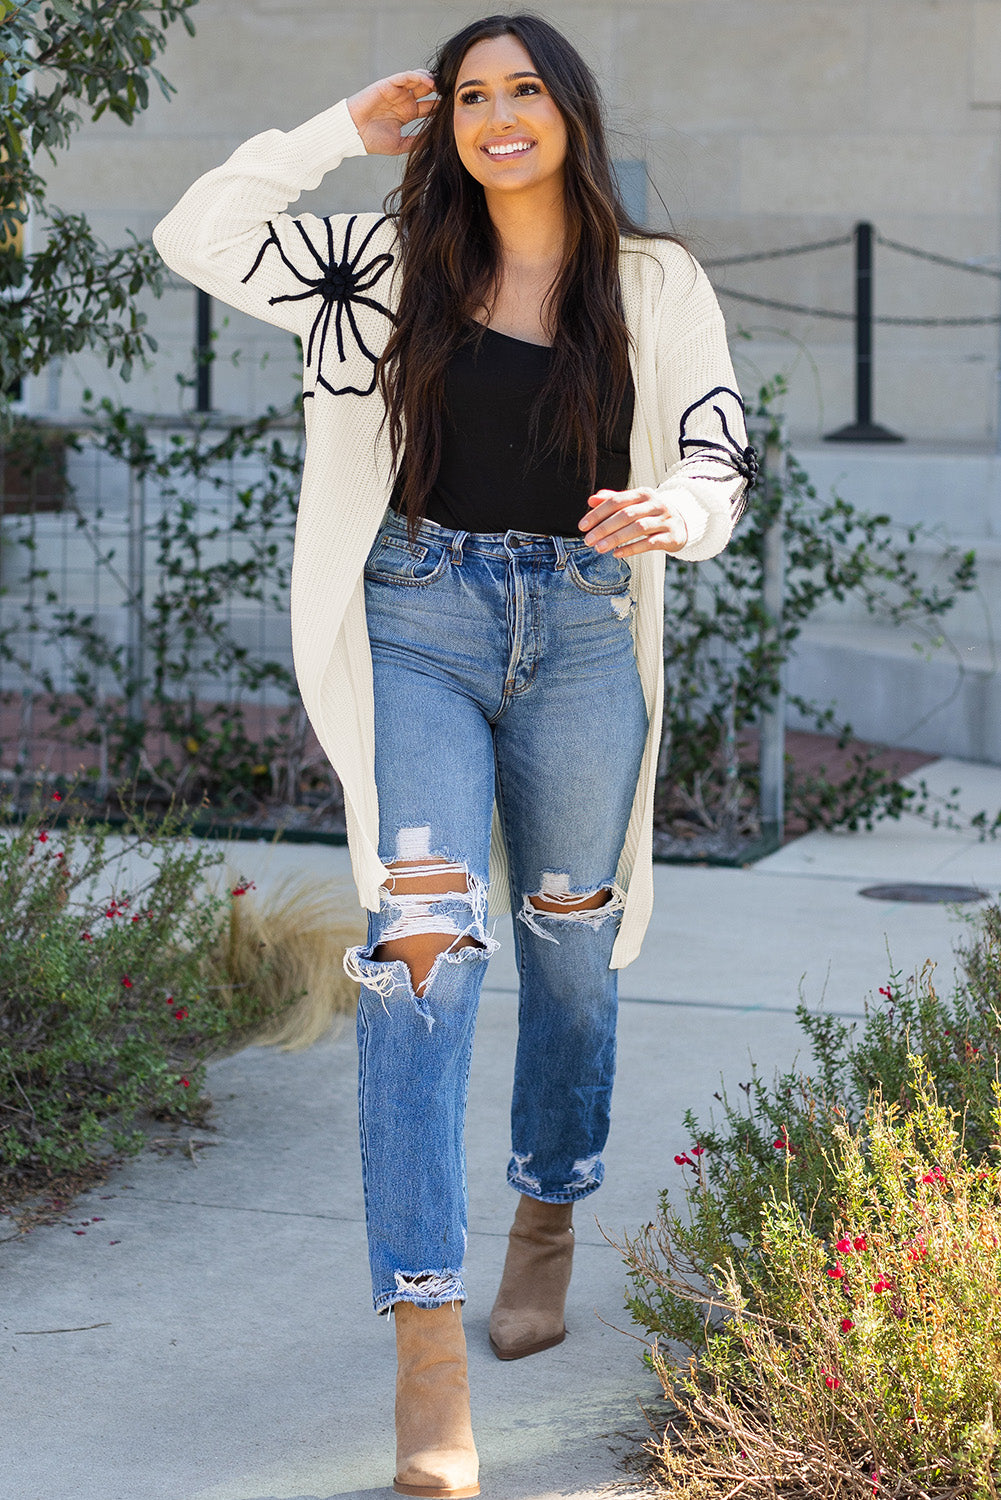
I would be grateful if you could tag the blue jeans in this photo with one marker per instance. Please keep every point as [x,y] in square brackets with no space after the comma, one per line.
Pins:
[503,668]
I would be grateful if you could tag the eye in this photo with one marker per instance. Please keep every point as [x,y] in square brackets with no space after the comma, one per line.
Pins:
[531,88]
[471,96]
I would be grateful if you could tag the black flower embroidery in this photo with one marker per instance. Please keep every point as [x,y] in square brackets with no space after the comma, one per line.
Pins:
[714,440]
[340,287]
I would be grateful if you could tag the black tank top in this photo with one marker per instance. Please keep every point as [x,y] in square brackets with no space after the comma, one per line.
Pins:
[489,478]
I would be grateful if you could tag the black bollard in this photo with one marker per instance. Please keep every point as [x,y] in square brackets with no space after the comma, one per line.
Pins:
[863,429]
[203,351]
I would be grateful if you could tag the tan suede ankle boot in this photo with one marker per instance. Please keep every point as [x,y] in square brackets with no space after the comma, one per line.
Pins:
[435,1454]
[528,1313]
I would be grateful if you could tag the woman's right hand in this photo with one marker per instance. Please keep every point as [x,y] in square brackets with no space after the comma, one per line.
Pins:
[381,110]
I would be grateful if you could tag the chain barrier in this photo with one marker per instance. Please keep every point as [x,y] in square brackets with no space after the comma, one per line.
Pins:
[792,307]
[938,260]
[827,312]
[988,321]
[745,260]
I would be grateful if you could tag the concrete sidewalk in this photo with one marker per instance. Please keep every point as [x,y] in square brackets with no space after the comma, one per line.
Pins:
[236,1356]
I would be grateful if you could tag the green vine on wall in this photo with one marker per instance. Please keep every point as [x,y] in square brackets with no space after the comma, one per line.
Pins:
[724,655]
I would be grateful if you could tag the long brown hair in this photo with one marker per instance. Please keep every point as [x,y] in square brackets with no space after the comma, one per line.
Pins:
[449,264]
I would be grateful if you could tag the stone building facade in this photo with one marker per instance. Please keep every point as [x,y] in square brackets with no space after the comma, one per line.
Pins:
[761,124]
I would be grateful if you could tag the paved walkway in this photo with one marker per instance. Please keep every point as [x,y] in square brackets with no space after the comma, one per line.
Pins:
[236,1356]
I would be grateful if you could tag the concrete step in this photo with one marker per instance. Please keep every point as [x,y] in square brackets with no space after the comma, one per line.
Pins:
[944,698]
[955,487]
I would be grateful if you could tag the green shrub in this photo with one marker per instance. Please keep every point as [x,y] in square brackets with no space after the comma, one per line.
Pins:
[111,997]
[861,1360]
[749,1153]
[832,1269]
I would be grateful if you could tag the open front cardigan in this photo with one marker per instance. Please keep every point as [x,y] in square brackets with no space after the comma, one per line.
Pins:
[334,282]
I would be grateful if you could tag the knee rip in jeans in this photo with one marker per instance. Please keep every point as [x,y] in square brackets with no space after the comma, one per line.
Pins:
[433,898]
[556,902]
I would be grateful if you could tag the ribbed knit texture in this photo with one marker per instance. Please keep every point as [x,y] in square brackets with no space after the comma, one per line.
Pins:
[229,235]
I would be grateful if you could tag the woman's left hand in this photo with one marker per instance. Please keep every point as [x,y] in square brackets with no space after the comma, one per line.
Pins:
[626,522]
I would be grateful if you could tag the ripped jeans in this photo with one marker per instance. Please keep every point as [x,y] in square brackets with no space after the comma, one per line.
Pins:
[504,668]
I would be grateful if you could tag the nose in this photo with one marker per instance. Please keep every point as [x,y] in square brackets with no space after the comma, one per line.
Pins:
[503,112]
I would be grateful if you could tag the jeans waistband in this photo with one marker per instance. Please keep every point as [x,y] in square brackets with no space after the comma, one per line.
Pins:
[523,544]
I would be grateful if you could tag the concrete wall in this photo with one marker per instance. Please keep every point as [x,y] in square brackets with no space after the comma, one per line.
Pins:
[764,123]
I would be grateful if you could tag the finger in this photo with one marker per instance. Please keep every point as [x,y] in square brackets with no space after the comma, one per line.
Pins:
[638,517]
[607,502]
[606,508]
[415,78]
[672,536]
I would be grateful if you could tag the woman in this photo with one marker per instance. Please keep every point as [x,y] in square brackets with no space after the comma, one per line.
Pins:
[517,404]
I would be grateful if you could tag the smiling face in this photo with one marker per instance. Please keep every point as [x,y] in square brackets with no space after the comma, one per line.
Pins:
[509,133]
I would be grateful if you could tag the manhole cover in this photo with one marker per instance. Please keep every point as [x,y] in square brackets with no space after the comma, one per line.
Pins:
[914,892]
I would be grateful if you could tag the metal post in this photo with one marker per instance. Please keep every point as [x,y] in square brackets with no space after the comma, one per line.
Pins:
[203,351]
[136,639]
[771,743]
[863,429]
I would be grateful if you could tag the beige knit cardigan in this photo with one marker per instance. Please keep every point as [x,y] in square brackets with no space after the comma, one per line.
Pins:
[333,282]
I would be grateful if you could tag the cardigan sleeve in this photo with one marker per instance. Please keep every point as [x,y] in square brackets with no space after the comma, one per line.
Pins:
[703,418]
[230,234]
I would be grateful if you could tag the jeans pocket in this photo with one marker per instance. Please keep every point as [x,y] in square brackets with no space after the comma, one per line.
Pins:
[598,572]
[394,559]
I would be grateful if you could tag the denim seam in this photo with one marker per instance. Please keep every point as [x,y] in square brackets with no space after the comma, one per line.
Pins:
[587,588]
[374,576]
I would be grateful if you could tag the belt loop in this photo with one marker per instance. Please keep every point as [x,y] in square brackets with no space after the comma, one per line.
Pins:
[561,553]
[457,541]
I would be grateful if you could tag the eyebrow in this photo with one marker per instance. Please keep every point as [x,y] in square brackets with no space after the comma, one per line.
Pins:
[479,83]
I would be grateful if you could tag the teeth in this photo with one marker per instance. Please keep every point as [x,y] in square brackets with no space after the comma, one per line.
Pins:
[508,150]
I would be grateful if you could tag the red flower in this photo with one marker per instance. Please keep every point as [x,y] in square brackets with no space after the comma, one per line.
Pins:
[860,1242]
[918,1249]
[882,1285]
[784,1143]
[844,1247]
[832,1382]
[85,937]
[126,982]
[182,1014]
[684,1160]
[837,1271]
[243,888]
[79,1231]
[934,1176]
[60,855]
[137,918]
[57,796]
[185,1083]
[883,990]
[847,1325]
[43,837]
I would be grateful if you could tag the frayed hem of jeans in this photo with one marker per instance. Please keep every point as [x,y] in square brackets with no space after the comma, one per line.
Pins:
[589,1174]
[423,1289]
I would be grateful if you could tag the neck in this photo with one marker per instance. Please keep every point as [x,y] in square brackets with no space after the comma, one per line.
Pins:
[531,228]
